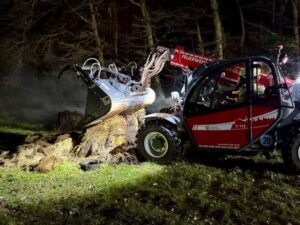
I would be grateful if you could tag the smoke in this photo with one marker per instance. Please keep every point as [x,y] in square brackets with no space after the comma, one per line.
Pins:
[37,98]
[161,102]
[171,81]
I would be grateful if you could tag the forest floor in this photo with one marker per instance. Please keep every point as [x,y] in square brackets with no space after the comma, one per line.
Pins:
[198,190]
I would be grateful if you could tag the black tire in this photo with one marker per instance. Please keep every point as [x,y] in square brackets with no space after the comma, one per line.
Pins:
[291,154]
[158,142]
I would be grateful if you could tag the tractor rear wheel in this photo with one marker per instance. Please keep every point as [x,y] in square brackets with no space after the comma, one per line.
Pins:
[158,142]
[291,156]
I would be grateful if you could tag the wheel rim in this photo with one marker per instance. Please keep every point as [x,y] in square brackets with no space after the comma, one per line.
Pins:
[156,144]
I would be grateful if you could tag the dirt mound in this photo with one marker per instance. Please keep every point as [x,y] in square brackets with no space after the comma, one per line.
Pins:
[37,149]
[67,121]
[111,141]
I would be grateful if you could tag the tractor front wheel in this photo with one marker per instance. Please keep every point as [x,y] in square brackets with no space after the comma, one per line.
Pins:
[291,156]
[158,142]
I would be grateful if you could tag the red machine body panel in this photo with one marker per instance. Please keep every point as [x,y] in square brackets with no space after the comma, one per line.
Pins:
[231,129]
[226,130]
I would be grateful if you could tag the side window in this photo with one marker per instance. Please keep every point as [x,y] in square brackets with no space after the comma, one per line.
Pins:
[263,81]
[231,87]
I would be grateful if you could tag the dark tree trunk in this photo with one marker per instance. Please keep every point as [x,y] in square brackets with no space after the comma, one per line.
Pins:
[200,40]
[218,28]
[114,24]
[243,31]
[295,4]
[95,30]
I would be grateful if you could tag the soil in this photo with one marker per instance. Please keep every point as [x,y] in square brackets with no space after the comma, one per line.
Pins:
[111,141]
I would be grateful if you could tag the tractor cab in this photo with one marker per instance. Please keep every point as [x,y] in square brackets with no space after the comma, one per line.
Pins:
[235,105]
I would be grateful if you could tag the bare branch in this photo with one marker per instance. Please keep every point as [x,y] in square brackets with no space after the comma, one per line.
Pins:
[259,27]
[77,13]
[135,3]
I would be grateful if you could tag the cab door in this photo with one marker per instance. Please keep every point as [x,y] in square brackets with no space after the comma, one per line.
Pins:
[266,100]
[217,108]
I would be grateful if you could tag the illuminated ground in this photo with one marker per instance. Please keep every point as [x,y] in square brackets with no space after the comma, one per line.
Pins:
[205,191]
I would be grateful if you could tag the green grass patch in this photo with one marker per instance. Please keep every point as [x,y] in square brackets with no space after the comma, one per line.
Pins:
[11,126]
[181,193]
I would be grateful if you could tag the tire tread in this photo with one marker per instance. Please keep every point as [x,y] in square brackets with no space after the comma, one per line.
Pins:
[174,139]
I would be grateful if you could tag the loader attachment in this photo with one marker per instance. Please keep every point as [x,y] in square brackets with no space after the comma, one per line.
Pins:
[112,92]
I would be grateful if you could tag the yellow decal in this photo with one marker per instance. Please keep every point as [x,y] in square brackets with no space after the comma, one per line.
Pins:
[106,100]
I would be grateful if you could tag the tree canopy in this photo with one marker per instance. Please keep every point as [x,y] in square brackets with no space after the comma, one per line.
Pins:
[35,31]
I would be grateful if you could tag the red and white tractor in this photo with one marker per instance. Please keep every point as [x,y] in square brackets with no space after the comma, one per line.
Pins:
[236,106]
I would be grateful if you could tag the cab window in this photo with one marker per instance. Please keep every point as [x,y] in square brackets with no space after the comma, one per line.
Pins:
[223,88]
[263,85]
[231,89]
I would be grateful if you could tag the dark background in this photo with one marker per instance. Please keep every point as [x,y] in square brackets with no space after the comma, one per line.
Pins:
[39,37]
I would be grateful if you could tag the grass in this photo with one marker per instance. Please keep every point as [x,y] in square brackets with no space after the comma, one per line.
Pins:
[10,126]
[226,191]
